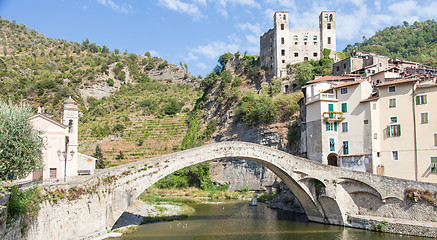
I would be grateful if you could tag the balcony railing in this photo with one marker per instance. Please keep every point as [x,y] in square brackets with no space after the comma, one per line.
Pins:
[333,116]
[321,96]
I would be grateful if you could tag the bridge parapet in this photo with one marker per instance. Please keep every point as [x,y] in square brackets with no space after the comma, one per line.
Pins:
[328,194]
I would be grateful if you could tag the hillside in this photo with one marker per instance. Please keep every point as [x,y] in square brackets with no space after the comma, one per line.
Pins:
[416,42]
[132,103]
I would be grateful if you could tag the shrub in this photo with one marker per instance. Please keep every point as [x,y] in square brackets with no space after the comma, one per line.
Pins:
[110,82]
[163,65]
[287,105]
[256,109]
[149,66]
[118,128]
[172,107]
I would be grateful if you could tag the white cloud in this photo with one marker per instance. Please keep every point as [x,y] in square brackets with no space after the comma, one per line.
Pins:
[154,53]
[221,5]
[254,28]
[215,49]
[378,5]
[117,8]
[183,7]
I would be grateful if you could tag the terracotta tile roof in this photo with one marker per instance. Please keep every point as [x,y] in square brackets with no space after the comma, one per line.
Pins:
[329,78]
[349,83]
[396,82]
[371,98]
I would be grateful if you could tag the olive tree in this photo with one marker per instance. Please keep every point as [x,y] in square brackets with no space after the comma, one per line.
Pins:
[20,143]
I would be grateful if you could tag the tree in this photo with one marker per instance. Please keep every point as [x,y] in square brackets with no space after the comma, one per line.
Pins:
[304,73]
[20,143]
[101,162]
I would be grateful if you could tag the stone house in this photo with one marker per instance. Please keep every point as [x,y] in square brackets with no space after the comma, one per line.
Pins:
[282,46]
[61,156]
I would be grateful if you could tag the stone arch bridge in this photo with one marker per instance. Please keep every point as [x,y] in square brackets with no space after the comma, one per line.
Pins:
[328,194]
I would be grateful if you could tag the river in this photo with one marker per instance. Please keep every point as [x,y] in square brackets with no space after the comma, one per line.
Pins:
[237,220]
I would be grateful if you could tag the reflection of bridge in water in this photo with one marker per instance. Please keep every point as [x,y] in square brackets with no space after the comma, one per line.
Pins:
[327,194]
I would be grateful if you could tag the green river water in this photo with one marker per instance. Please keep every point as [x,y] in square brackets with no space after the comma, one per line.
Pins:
[237,220]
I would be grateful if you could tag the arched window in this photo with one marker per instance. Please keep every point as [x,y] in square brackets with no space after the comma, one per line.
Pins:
[329,26]
[295,37]
[285,17]
[331,17]
[70,126]
[315,38]
[305,38]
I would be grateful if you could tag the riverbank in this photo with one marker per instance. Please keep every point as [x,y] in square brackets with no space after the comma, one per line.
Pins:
[158,205]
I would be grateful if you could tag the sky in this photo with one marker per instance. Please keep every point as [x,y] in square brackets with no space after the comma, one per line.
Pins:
[197,32]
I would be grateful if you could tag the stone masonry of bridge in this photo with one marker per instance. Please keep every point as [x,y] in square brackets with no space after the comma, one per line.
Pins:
[328,194]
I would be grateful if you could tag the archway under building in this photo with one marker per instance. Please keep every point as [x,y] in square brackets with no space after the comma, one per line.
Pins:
[333,159]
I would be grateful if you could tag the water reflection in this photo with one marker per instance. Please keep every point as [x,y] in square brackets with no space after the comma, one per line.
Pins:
[237,220]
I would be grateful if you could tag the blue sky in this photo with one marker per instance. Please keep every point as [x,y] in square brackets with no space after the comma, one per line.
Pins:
[197,32]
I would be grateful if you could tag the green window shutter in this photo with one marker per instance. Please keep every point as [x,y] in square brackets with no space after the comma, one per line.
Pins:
[388,130]
[327,126]
[425,99]
[399,130]
[335,126]
[344,107]
[331,107]
[417,100]
[346,147]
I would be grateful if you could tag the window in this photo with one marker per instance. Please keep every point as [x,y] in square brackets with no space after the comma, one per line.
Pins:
[53,173]
[421,99]
[375,135]
[395,155]
[295,37]
[392,103]
[435,139]
[296,54]
[305,43]
[331,144]
[344,107]
[305,58]
[315,38]
[366,121]
[392,89]
[343,90]
[283,52]
[331,17]
[345,147]
[393,119]
[331,126]
[433,164]
[329,40]
[377,154]
[70,126]
[285,18]
[282,27]
[282,40]
[424,118]
[295,43]
[338,68]
[329,26]
[315,43]
[394,130]
[283,61]
[344,127]
[305,38]
[344,65]
[315,54]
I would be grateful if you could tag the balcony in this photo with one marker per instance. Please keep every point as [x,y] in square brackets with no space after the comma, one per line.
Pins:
[333,116]
[321,96]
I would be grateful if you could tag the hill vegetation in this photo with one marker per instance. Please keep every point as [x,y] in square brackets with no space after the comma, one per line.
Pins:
[133,106]
[416,42]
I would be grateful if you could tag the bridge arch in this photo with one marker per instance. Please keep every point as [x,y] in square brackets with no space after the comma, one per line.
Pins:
[107,194]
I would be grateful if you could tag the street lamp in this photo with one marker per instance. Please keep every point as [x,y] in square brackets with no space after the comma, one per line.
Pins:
[64,154]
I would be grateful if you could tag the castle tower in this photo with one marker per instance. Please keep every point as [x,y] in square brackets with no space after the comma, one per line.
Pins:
[70,118]
[282,43]
[327,32]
